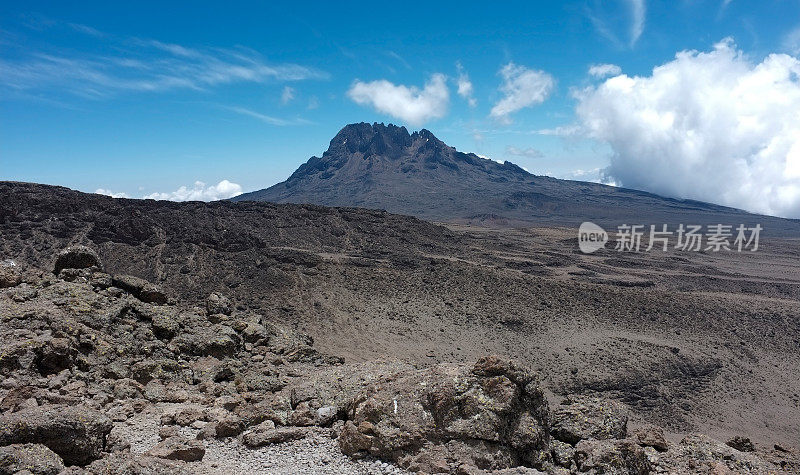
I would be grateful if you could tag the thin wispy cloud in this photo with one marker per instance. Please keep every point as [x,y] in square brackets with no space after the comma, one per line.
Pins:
[637,24]
[267,119]
[87,30]
[637,11]
[561,131]
[524,152]
[604,70]
[140,65]
[287,95]
[791,42]
[399,59]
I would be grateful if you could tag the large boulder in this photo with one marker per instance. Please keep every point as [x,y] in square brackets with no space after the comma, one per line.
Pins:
[76,257]
[217,304]
[217,340]
[179,448]
[267,434]
[140,288]
[584,417]
[9,274]
[33,458]
[77,434]
[490,416]
[623,457]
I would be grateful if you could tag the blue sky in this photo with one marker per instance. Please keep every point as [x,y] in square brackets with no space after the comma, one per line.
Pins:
[146,97]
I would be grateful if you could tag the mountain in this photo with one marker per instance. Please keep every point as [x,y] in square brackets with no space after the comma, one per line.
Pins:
[386,167]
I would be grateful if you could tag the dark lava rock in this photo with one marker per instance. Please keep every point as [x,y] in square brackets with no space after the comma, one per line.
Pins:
[76,257]
[77,434]
[742,444]
[218,304]
[140,288]
[30,458]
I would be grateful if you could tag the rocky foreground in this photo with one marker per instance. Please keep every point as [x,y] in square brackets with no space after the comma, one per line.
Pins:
[105,374]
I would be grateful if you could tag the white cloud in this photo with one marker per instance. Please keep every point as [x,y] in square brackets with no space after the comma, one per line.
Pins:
[137,65]
[593,175]
[267,119]
[522,88]
[637,22]
[103,191]
[200,192]
[287,95]
[710,126]
[601,19]
[604,70]
[791,42]
[524,152]
[412,105]
[465,88]
[562,131]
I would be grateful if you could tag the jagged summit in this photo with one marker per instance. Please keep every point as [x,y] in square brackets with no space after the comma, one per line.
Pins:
[387,167]
[377,166]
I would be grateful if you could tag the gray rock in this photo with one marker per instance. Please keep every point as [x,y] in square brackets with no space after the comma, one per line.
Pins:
[611,457]
[179,448]
[583,417]
[140,288]
[218,304]
[77,434]
[326,415]
[9,274]
[217,340]
[35,458]
[651,436]
[492,415]
[702,451]
[267,434]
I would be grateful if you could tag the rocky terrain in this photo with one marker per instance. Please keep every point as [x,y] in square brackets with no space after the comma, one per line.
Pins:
[155,337]
[386,167]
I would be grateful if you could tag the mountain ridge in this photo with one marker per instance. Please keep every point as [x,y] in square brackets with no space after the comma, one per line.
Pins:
[385,167]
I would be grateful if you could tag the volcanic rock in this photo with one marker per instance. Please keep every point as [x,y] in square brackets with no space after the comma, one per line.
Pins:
[581,417]
[33,458]
[76,257]
[178,448]
[77,434]
[140,288]
[491,416]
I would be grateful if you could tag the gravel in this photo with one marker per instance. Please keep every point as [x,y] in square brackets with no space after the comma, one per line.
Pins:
[316,454]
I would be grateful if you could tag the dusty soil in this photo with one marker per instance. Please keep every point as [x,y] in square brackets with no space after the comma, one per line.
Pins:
[691,342]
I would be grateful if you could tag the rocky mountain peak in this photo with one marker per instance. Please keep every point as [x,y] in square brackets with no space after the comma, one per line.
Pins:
[370,139]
